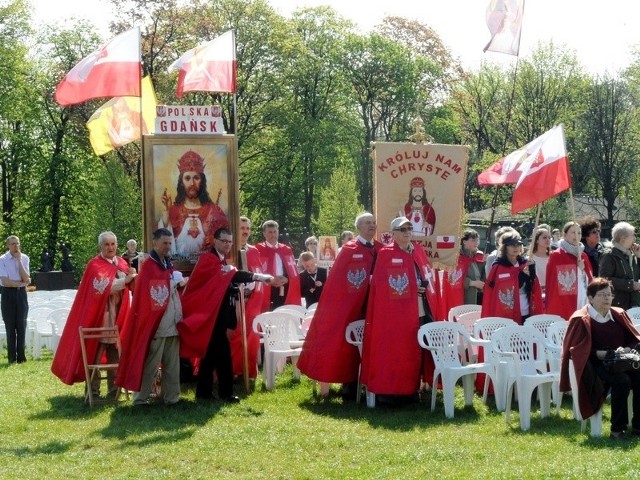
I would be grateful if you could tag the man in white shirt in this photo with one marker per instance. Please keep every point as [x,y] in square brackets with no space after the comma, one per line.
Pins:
[14,276]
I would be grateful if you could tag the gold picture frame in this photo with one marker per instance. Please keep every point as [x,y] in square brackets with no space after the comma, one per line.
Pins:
[206,163]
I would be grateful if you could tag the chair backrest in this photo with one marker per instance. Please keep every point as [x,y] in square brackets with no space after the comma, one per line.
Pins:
[484,327]
[39,315]
[634,315]
[276,318]
[442,340]
[306,324]
[354,333]
[468,320]
[298,308]
[525,342]
[312,307]
[541,322]
[460,309]
[276,334]
[555,334]
[59,318]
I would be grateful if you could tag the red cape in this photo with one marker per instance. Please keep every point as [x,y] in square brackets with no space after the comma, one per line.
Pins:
[88,311]
[290,265]
[201,300]
[326,356]
[253,306]
[453,284]
[392,360]
[150,301]
[561,291]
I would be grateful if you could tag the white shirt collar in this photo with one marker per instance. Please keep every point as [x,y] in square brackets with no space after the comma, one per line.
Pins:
[270,245]
[593,313]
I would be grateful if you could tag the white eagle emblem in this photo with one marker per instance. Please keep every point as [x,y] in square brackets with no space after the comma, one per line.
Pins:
[159,295]
[399,283]
[455,276]
[567,280]
[356,277]
[506,297]
[100,285]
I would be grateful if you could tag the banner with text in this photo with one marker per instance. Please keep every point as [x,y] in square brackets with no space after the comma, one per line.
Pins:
[425,183]
[189,120]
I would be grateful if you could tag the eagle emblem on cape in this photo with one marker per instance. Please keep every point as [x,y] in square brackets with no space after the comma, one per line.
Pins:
[159,295]
[356,277]
[567,280]
[399,283]
[455,276]
[507,297]
[101,284]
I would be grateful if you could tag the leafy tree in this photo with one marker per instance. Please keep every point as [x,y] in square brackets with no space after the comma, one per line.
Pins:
[339,204]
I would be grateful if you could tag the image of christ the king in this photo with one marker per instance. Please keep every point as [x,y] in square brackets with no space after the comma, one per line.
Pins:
[192,217]
[419,210]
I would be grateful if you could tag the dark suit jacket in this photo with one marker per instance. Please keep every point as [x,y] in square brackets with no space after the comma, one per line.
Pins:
[307,283]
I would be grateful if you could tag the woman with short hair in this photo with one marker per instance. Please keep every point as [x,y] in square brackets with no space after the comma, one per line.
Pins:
[620,265]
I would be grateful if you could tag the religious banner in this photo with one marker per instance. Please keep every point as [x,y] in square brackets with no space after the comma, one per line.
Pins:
[326,251]
[425,183]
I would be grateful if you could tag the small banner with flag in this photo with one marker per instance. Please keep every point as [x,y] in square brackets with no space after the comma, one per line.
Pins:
[210,67]
[504,19]
[111,71]
[545,171]
[119,122]
[444,241]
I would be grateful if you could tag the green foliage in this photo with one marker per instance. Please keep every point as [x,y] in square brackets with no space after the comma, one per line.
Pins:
[339,204]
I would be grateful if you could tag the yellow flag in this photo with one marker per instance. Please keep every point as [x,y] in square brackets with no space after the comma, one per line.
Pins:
[119,122]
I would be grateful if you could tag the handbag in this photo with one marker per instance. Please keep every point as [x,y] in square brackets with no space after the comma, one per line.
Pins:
[619,361]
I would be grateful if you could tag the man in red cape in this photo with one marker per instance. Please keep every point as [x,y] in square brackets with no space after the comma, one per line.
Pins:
[278,260]
[210,316]
[102,300]
[253,306]
[326,356]
[401,298]
[150,337]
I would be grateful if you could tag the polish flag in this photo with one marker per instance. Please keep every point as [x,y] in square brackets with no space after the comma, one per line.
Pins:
[445,241]
[545,171]
[210,67]
[111,71]
[505,171]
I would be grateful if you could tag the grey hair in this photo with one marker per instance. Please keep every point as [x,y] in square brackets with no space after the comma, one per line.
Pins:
[360,218]
[621,229]
[104,235]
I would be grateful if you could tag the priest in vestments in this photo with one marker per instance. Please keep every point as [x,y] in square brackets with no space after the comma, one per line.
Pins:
[102,300]
[401,298]
[326,356]
[278,260]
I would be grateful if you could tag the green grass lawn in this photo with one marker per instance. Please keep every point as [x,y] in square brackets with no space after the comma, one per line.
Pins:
[46,431]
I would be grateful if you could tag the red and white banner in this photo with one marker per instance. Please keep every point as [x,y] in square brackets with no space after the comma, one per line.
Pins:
[504,19]
[545,171]
[210,67]
[111,71]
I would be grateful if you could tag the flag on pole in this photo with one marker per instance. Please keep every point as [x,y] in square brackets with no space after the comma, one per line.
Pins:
[545,171]
[210,67]
[505,171]
[504,19]
[119,122]
[111,71]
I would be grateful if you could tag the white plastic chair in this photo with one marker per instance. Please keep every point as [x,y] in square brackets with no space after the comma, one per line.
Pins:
[460,309]
[277,345]
[297,317]
[634,315]
[353,334]
[469,353]
[312,307]
[442,340]
[43,330]
[3,335]
[553,343]
[541,322]
[596,419]
[483,331]
[58,319]
[298,308]
[523,349]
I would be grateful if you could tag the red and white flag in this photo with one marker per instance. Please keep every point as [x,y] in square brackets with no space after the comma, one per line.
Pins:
[210,67]
[545,171]
[445,241]
[505,171]
[111,71]
[504,19]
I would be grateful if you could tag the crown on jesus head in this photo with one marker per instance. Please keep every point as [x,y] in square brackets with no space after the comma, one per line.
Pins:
[417,182]
[191,162]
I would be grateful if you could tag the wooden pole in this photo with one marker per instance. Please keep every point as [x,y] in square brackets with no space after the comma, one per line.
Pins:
[240,312]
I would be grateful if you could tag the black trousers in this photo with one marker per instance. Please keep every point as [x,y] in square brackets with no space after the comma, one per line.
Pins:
[218,359]
[277,300]
[621,384]
[15,308]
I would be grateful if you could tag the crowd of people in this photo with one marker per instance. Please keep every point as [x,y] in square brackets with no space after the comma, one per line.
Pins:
[166,318]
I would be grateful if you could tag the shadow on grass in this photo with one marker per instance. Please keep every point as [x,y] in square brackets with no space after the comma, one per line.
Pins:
[51,448]
[69,407]
[399,418]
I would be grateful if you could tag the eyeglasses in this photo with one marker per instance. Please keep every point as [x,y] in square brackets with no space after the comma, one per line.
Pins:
[403,229]
[224,241]
[604,295]
[594,231]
